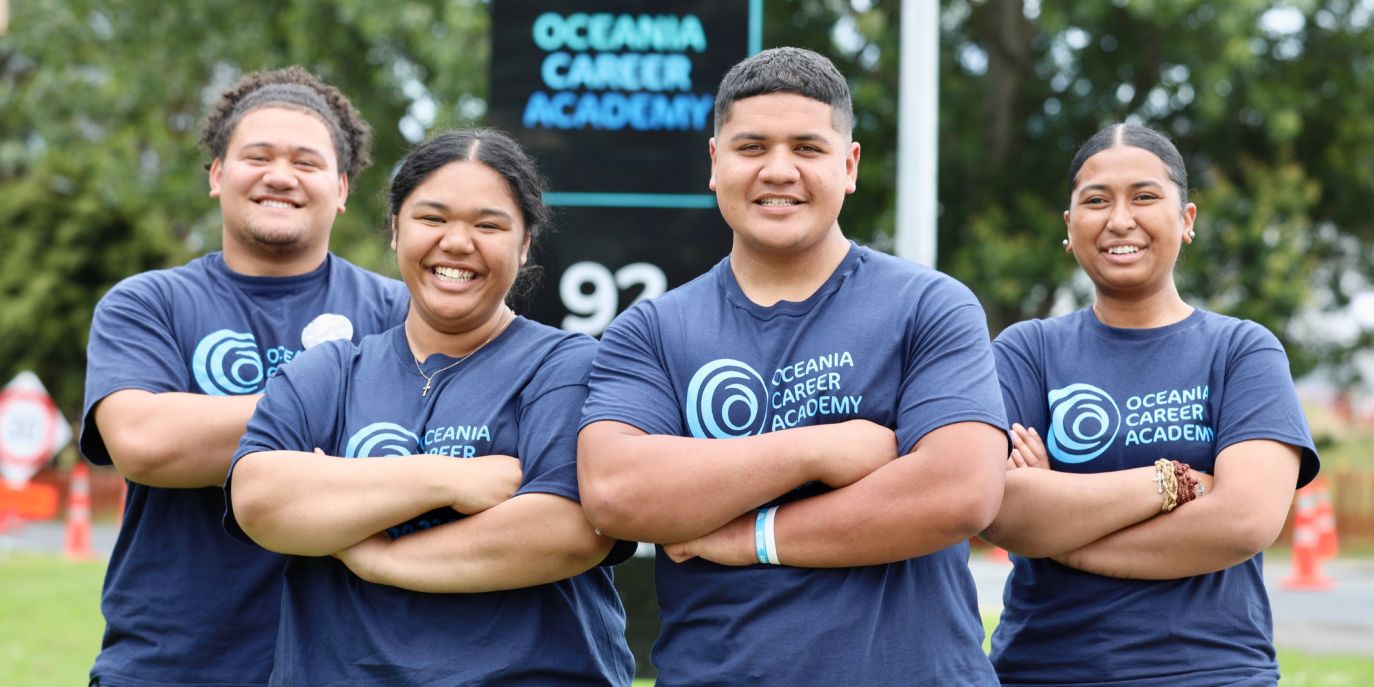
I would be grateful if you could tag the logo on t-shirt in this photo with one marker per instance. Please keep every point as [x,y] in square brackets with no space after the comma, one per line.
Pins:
[725,399]
[227,363]
[1084,420]
[728,398]
[382,439]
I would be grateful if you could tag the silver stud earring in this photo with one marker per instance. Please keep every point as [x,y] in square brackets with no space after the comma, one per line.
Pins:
[1191,234]
[1066,243]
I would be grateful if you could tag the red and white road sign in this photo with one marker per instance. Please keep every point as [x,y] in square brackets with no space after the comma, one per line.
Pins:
[32,430]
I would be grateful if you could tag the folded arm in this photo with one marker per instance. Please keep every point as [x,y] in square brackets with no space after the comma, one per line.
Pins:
[310,504]
[1241,515]
[528,540]
[1046,513]
[944,491]
[663,489]
[172,439]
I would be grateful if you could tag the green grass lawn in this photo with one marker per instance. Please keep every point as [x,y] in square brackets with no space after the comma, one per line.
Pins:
[50,628]
[50,620]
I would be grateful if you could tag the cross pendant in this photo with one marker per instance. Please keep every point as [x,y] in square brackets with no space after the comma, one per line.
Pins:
[425,391]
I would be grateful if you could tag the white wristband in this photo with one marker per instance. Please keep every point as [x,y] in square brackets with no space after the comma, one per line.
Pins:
[770,542]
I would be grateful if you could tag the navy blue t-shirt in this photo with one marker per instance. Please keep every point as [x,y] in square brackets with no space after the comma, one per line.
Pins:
[883,340]
[1110,399]
[184,603]
[520,395]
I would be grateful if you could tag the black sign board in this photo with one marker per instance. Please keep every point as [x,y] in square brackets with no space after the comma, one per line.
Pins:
[614,98]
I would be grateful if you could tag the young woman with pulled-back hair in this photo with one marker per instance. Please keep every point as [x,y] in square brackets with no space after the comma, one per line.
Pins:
[1156,448]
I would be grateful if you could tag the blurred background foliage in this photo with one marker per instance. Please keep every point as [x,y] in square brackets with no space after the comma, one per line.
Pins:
[100,176]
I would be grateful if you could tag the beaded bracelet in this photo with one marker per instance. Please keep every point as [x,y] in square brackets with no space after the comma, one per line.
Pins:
[1167,480]
[1187,482]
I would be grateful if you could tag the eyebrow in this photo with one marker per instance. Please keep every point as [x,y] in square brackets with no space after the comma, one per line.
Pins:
[443,207]
[1136,185]
[295,149]
[753,136]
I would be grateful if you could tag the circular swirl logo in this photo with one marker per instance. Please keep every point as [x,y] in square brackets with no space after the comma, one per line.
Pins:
[227,363]
[381,439]
[1084,421]
[725,399]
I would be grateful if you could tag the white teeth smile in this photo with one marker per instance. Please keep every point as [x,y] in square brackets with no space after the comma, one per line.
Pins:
[451,274]
[777,202]
[1123,250]
[277,204]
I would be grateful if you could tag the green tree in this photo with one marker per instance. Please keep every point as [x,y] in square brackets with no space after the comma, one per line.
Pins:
[1267,100]
[100,102]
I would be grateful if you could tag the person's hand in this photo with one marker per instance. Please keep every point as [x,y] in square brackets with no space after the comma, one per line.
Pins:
[732,544]
[482,482]
[848,451]
[1027,450]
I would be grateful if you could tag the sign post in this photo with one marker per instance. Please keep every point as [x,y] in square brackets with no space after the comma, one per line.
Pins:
[615,99]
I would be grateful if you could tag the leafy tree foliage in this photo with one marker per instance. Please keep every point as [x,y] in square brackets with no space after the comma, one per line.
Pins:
[1267,100]
[100,103]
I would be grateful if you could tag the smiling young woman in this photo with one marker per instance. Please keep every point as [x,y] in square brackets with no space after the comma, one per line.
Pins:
[460,240]
[424,481]
[1128,219]
[1156,448]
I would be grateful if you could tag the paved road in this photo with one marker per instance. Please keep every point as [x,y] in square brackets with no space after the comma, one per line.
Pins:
[1340,621]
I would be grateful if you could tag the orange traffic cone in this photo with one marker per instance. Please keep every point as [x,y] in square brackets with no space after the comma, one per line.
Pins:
[78,542]
[1307,574]
[1327,544]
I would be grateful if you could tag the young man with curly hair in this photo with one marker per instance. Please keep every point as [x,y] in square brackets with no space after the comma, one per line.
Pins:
[178,359]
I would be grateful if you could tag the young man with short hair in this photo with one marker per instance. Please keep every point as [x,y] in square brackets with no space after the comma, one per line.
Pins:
[825,543]
[178,359]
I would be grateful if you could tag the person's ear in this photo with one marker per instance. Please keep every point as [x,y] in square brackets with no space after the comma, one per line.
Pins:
[711,148]
[216,171]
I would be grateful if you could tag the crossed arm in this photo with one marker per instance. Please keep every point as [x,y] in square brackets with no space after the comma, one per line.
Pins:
[310,504]
[528,540]
[1110,523]
[507,543]
[697,496]
[172,439]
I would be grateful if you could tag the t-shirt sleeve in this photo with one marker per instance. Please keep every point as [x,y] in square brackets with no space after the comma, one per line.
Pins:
[1259,399]
[950,375]
[629,380]
[1019,370]
[132,346]
[549,410]
[294,414]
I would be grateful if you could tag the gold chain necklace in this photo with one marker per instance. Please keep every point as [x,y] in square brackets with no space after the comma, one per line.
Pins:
[429,378]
